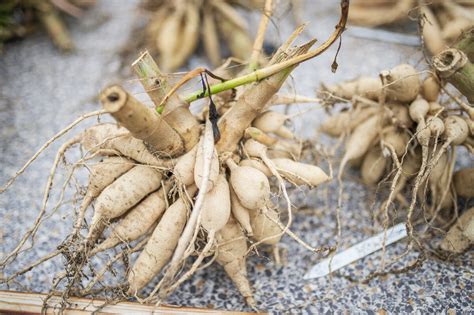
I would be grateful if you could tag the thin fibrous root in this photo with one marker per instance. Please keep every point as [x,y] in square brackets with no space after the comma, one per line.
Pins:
[291,234]
[31,266]
[32,231]
[48,143]
[194,267]
[389,201]
[109,264]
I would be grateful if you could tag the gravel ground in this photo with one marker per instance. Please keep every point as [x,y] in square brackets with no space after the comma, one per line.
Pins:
[41,91]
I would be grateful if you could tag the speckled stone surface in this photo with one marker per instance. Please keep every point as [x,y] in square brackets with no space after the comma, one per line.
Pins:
[41,91]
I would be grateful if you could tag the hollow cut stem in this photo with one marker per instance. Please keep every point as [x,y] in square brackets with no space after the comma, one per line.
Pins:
[454,66]
[141,121]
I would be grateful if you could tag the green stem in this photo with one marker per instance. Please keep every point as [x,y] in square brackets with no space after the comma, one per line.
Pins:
[224,86]
[466,43]
[273,69]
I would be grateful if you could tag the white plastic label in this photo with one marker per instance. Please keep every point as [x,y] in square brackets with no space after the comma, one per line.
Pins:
[356,252]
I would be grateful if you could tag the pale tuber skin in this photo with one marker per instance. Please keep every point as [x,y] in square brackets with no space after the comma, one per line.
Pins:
[375,13]
[373,167]
[411,105]
[436,175]
[285,149]
[438,169]
[410,167]
[160,247]
[102,175]
[419,109]
[210,39]
[413,127]
[456,241]
[270,121]
[444,198]
[189,37]
[365,86]
[300,173]
[240,213]
[255,163]
[249,184]
[112,140]
[284,132]
[463,181]
[260,136]
[436,108]
[360,140]
[456,130]
[469,230]
[184,25]
[216,207]
[123,194]
[397,139]
[255,149]
[264,227]
[232,251]
[137,221]
[401,117]
[431,89]
[346,122]
[436,126]
[199,169]
[470,125]
[106,172]
[184,169]
[423,134]
[401,83]
[95,137]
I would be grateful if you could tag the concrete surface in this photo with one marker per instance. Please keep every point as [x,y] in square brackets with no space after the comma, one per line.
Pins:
[41,91]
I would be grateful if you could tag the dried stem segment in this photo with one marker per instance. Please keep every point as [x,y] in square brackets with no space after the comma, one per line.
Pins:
[142,121]
[253,101]
[175,112]
[53,24]
[237,38]
[258,43]
[454,66]
[210,38]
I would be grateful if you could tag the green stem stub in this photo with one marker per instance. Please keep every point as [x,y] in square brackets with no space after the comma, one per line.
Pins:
[159,109]
[224,86]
